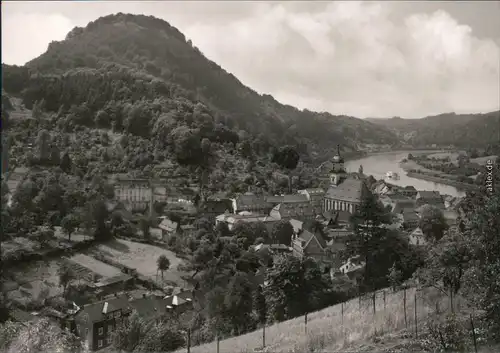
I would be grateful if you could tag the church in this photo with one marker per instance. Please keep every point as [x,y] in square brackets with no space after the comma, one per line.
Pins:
[345,192]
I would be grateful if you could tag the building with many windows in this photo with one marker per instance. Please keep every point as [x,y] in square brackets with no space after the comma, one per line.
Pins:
[96,322]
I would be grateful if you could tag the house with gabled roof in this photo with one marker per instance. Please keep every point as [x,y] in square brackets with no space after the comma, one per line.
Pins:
[96,322]
[433,198]
[401,205]
[168,227]
[308,244]
[212,208]
[408,218]
[417,238]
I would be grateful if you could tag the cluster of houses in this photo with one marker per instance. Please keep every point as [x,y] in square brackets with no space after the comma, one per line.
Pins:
[331,206]
[94,323]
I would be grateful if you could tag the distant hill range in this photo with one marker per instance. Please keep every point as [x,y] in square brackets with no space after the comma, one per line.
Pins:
[462,130]
[135,58]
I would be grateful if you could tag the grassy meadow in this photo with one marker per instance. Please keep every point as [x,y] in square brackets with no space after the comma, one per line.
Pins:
[349,326]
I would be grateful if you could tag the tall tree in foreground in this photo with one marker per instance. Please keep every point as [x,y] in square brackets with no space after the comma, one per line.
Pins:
[294,288]
[482,231]
[370,238]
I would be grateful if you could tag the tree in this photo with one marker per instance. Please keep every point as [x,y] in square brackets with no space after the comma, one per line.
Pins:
[163,264]
[100,213]
[294,288]
[69,224]
[145,224]
[42,143]
[287,158]
[247,233]
[371,239]
[65,163]
[394,277]
[201,257]
[445,265]
[282,233]
[238,302]
[432,223]
[161,337]
[482,227]
[260,305]
[37,337]
[66,275]
[129,335]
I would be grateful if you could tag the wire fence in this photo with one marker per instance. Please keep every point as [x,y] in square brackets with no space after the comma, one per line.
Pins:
[370,315]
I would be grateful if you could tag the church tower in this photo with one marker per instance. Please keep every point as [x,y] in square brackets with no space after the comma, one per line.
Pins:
[338,172]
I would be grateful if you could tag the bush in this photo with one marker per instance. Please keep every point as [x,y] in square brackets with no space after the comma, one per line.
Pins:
[453,334]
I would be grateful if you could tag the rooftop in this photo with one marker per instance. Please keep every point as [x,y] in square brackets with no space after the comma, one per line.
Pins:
[97,311]
[424,194]
[350,190]
[314,191]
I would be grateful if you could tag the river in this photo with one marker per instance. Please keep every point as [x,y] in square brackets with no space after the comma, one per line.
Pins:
[380,163]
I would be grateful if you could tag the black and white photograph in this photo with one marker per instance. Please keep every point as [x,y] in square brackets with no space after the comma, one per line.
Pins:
[250,176]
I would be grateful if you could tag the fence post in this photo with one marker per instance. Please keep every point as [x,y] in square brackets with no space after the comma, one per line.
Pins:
[473,333]
[189,340]
[359,302]
[384,300]
[305,323]
[404,306]
[416,322]
[264,336]
[342,308]
[373,300]
[218,342]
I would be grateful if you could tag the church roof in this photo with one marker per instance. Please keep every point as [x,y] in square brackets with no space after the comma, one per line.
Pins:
[350,190]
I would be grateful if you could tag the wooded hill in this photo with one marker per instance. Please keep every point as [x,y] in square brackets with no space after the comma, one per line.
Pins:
[462,130]
[138,58]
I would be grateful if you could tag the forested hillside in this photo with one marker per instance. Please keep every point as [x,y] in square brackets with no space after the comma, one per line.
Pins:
[150,65]
[462,130]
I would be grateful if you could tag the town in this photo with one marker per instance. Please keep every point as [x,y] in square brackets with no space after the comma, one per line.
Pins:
[318,219]
[240,177]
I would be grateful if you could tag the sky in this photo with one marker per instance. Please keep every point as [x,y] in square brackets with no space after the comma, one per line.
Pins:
[364,59]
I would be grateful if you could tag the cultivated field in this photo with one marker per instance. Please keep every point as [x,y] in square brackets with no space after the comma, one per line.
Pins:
[483,160]
[142,257]
[330,331]
[440,155]
[95,266]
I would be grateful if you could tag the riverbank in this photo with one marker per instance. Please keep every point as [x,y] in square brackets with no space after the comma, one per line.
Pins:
[456,184]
